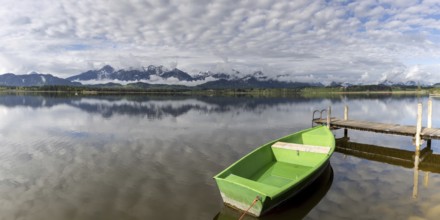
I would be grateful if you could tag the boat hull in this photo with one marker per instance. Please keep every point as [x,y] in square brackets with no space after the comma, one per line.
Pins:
[268,204]
[276,171]
[296,207]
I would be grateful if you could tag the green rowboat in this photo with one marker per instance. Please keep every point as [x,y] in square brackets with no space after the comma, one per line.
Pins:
[297,207]
[276,171]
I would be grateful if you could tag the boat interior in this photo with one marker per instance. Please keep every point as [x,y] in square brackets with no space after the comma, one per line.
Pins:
[279,163]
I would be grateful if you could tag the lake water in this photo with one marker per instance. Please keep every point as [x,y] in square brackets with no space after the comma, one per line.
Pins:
[141,157]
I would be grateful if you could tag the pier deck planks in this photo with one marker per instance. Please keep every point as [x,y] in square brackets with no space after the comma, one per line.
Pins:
[405,130]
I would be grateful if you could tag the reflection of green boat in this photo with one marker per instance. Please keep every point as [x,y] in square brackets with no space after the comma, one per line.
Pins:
[276,171]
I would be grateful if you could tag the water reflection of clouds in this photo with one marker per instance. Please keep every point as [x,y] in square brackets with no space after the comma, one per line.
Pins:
[387,111]
[66,163]
[120,163]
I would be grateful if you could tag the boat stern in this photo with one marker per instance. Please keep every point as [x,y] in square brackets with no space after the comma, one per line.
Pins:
[241,197]
[254,209]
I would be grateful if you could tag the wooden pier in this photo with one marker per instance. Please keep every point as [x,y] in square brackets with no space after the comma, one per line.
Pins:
[418,132]
[405,130]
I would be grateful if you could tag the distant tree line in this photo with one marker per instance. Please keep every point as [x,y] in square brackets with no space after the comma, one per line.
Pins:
[170,89]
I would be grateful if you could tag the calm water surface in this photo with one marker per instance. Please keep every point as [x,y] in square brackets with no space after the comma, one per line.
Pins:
[117,157]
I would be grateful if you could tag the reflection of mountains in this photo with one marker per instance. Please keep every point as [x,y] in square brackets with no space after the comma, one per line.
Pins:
[151,107]
[428,161]
[32,101]
[296,207]
[160,106]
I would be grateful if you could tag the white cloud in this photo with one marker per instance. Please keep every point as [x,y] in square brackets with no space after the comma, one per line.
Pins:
[153,80]
[288,37]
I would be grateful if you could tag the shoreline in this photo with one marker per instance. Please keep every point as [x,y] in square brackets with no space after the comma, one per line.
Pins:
[306,92]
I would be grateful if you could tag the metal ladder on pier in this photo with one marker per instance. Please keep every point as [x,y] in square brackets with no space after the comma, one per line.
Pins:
[321,112]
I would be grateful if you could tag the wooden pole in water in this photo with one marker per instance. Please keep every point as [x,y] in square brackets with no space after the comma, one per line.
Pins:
[428,144]
[416,174]
[419,126]
[345,118]
[329,109]
[426,179]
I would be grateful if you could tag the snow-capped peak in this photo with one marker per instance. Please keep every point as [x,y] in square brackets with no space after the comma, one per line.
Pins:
[107,69]
[158,70]
[33,72]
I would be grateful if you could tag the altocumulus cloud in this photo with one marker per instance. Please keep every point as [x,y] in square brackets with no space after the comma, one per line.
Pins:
[369,40]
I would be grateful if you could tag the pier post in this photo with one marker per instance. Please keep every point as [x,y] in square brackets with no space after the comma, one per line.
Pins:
[429,119]
[429,113]
[329,113]
[346,118]
[419,126]
[346,113]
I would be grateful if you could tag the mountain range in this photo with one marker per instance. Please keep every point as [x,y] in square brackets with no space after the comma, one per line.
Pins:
[157,76]
[34,79]
[109,73]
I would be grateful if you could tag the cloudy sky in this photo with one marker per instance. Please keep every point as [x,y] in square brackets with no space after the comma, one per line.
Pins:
[303,40]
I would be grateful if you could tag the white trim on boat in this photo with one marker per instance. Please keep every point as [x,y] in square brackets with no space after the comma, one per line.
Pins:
[241,206]
[302,147]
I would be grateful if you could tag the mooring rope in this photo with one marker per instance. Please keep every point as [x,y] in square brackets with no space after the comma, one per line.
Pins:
[253,203]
